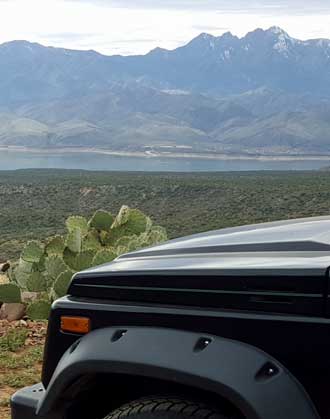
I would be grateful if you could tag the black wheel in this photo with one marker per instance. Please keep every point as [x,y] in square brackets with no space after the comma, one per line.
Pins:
[166,408]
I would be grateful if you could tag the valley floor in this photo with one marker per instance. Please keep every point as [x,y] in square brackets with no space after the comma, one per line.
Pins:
[35,203]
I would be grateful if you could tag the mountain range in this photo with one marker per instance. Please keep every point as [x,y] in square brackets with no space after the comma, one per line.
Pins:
[265,93]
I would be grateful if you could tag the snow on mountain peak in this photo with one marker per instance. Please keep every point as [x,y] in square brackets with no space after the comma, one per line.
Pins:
[281,45]
[276,30]
[283,40]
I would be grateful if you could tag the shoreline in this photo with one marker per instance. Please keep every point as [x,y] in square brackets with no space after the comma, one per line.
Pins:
[164,155]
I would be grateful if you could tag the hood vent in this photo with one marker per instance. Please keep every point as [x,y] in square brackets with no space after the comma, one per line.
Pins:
[286,294]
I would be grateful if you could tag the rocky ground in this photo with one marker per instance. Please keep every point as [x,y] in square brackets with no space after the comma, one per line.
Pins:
[21,348]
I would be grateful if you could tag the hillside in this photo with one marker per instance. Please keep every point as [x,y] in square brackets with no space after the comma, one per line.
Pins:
[183,203]
[265,93]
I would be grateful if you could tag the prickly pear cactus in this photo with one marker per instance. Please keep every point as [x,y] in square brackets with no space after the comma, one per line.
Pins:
[74,240]
[22,272]
[129,222]
[77,222]
[32,251]
[122,217]
[101,220]
[61,284]
[36,282]
[10,293]
[92,241]
[38,310]
[125,241]
[55,246]
[160,231]
[54,265]
[104,256]
[47,269]
[121,250]
[106,238]
[78,261]
[156,235]
[134,244]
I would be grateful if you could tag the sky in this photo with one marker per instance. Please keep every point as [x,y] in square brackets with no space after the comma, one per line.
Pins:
[136,26]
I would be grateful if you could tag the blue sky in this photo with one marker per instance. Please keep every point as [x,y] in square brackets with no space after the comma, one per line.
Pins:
[137,26]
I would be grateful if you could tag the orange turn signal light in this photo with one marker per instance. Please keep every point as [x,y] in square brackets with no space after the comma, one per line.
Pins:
[80,325]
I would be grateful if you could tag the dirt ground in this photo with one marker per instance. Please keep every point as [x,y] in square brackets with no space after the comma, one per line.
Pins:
[21,349]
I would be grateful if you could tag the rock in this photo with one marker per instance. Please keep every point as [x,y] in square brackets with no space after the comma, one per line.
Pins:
[12,311]
[4,266]
[4,279]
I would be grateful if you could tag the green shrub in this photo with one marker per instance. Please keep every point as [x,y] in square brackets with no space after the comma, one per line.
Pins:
[13,339]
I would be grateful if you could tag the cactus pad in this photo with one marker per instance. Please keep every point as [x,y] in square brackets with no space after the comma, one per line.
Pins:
[55,246]
[91,241]
[32,251]
[36,282]
[38,310]
[125,240]
[120,250]
[73,240]
[54,266]
[129,222]
[77,222]
[48,270]
[10,293]
[134,244]
[79,261]
[137,222]
[101,220]
[155,236]
[104,256]
[106,237]
[161,231]
[22,272]
[62,282]
[122,217]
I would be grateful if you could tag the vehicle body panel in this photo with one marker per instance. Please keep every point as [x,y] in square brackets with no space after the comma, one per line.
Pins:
[266,286]
[255,383]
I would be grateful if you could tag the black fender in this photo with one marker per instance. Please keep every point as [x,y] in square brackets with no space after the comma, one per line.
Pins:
[258,385]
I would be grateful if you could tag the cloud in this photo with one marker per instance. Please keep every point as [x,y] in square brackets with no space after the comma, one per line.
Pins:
[67,36]
[137,26]
[210,28]
[271,6]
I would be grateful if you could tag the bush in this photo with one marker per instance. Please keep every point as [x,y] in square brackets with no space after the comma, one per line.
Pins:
[13,340]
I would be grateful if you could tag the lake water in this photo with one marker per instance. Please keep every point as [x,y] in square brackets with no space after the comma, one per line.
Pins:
[11,160]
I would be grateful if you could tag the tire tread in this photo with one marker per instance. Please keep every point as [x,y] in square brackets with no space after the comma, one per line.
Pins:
[188,408]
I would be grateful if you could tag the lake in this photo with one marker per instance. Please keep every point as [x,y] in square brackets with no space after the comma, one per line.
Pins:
[13,159]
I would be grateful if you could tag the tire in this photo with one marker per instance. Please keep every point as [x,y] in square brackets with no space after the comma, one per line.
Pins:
[165,408]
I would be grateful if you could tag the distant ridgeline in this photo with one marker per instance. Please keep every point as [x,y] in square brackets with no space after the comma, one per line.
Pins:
[265,93]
